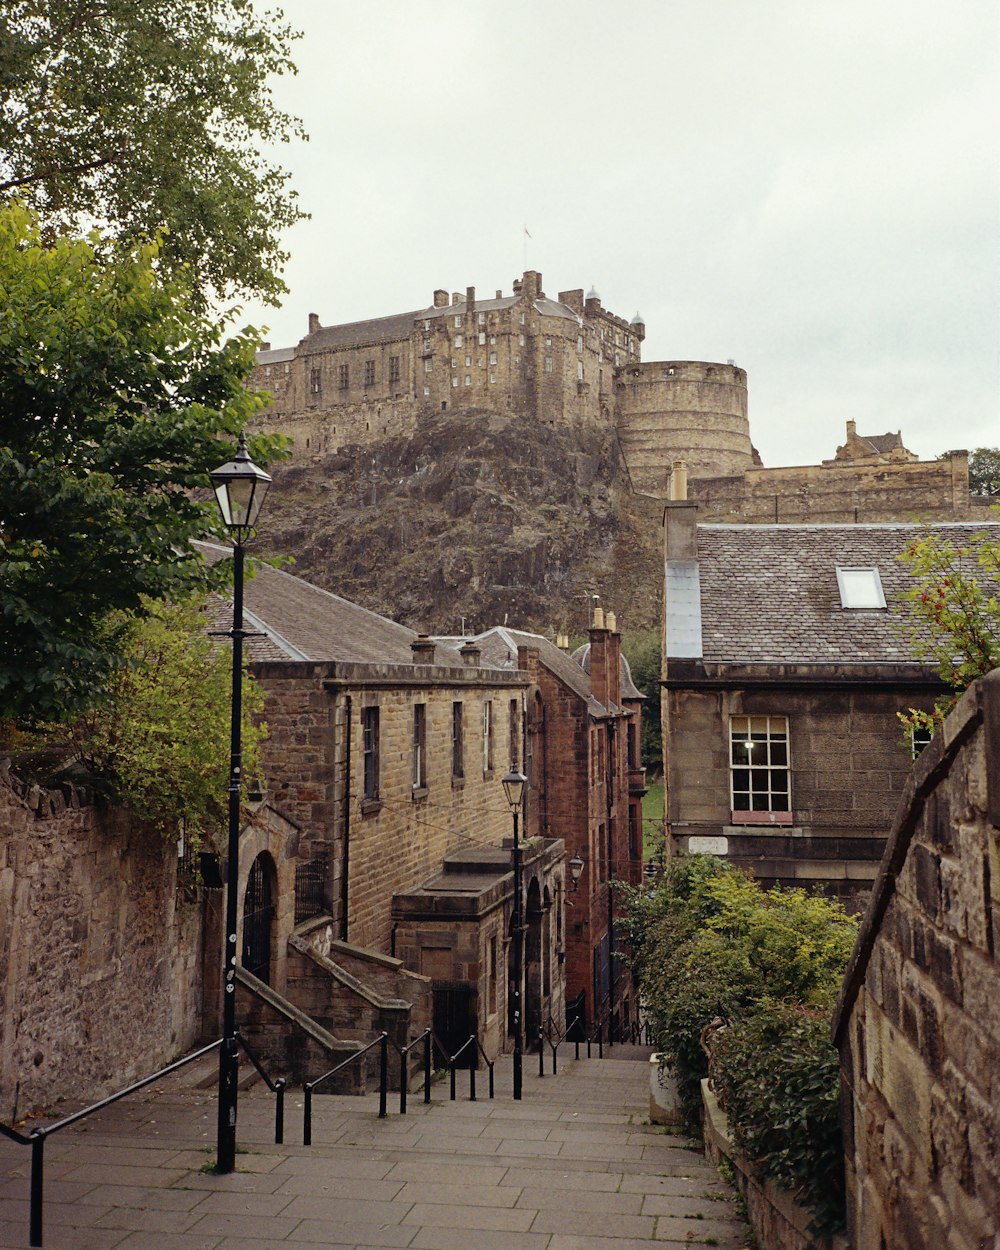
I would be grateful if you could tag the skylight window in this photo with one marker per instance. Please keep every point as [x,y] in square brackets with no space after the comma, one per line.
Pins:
[860,588]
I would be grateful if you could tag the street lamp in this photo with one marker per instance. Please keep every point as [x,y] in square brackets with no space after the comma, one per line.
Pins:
[513,787]
[576,871]
[240,487]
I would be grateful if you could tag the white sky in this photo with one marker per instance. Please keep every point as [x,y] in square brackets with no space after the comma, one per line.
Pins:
[811,188]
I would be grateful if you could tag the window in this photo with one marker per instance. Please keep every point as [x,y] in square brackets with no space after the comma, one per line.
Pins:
[579,342]
[420,746]
[315,381]
[458,340]
[343,377]
[457,746]
[579,370]
[493,377]
[860,588]
[548,364]
[515,732]
[468,379]
[482,318]
[468,362]
[369,739]
[759,765]
[634,840]
[369,373]
[428,365]
[920,736]
[454,380]
[393,368]
[427,390]
[493,358]
[458,323]
[488,736]
[482,339]
[632,744]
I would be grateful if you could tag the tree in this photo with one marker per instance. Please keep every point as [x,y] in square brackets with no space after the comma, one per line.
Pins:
[953,615]
[984,471]
[150,116]
[116,399]
[161,742]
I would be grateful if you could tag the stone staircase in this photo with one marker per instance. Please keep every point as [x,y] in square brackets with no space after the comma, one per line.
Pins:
[574,1166]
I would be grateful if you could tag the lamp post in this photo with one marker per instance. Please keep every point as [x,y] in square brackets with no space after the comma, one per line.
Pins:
[513,787]
[240,487]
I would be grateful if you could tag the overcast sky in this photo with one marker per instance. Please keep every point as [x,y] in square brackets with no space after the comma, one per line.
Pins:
[809,188]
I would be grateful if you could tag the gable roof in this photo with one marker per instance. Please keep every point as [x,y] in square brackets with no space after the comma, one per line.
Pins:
[300,621]
[768,594]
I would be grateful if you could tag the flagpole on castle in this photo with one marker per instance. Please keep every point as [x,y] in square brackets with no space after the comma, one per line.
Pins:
[527,236]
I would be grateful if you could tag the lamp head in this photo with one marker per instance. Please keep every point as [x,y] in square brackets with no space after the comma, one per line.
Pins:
[513,787]
[240,487]
[576,870]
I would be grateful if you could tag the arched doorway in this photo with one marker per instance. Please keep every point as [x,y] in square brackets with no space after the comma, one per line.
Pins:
[258,918]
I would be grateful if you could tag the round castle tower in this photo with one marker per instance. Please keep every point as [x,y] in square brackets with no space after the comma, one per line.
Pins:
[689,410]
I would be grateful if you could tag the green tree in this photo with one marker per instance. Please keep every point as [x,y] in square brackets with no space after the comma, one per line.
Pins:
[150,116]
[160,743]
[953,612]
[984,471]
[115,402]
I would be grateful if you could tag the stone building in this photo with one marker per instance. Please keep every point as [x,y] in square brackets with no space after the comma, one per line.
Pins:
[570,361]
[917,1024]
[383,772]
[585,787]
[785,666]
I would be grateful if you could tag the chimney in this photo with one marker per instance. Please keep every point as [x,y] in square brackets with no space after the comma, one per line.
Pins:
[470,300]
[531,285]
[423,649]
[604,650]
[456,297]
[573,300]
[679,481]
[264,347]
[499,294]
[680,539]
[470,653]
[852,428]
[313,323]
[440,299]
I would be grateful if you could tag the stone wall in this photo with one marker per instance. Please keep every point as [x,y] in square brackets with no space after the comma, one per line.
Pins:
[100,951]
[880,490]
[917,1024]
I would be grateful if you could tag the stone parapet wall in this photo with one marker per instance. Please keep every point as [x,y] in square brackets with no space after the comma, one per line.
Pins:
[917,1023]
[838,492]
[101,977]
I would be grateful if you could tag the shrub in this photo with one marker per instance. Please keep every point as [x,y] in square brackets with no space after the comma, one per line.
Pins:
[710,945]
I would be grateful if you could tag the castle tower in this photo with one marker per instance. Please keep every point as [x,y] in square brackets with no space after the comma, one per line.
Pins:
[688,410]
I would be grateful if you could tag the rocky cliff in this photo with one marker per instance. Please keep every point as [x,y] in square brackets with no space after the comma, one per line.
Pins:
[477,516]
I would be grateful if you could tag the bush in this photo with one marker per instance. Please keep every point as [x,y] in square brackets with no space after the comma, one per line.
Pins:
[711,947]
[789,1128]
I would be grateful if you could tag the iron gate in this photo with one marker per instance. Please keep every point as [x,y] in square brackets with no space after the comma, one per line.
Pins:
[258,916]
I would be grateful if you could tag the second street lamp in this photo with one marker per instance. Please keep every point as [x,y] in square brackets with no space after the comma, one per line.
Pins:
[240,487]
[513,786]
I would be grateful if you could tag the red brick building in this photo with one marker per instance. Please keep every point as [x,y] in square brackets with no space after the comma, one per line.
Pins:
[585,788]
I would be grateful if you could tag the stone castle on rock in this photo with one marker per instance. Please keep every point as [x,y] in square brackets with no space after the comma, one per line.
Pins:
[571,362]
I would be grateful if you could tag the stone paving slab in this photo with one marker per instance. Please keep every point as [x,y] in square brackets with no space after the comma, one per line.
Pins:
[575,1166]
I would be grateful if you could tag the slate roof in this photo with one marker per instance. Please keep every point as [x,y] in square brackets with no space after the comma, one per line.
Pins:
[769,593]
[302,622]
[882,442]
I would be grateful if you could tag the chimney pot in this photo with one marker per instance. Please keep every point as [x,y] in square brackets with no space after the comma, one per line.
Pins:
[598,618]
[423,649]
[612,622]
[679,481]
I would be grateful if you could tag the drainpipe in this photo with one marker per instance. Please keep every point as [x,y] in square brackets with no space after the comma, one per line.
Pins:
[608,790]
[346,851]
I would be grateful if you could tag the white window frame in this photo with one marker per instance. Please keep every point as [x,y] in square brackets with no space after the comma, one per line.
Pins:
[767,796]
[487,735]
[860,588]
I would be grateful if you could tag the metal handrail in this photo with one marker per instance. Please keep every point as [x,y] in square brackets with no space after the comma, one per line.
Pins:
[404,1068]
[382,1041]
[450,1064]
[36,1138]
[277,1087]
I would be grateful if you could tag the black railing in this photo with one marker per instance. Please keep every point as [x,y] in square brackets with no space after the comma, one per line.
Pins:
[37,1137]
[451,1063]
[575,1027]
[276,1087]
[404,1068]
[382,1041]
[311,898]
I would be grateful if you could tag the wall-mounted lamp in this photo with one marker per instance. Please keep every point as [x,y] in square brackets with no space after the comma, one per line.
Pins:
[576,871]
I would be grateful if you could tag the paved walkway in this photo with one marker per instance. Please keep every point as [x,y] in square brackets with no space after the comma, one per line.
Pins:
[574,1166]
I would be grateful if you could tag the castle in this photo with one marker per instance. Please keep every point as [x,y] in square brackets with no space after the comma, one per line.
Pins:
[570,361]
